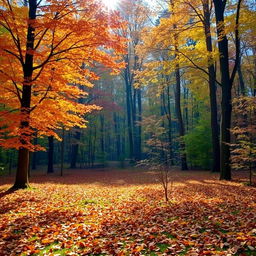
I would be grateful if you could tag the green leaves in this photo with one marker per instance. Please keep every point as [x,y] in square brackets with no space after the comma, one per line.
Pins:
[198,145]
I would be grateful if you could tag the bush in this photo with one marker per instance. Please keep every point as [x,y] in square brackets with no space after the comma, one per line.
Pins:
[199,146]
[243,150]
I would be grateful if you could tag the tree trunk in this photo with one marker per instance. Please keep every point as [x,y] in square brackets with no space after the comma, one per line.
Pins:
[129,114]
[134,124]
[185,109]
[50,154]
[169,116]
[22,169]
[240,76]
[21,180]
[167,112]
[212,89]
[226,107]
[183,156]
[163,155]
[139,118]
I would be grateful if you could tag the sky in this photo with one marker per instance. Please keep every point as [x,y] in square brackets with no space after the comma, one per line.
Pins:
[111,4]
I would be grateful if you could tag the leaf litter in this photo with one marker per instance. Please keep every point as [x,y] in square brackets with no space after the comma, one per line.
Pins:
[87,213]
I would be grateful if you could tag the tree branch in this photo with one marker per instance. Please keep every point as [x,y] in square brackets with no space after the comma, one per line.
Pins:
[237,43]
[198,67]
[45,95]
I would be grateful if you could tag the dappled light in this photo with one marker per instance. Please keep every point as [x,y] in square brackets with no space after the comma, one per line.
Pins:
[127,127]
[128,218]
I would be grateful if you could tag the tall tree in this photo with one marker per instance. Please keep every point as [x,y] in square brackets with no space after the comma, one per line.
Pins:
[177,92]
[136,14]
[212,88]
[41,55]
[203,13]
[200,12]
[226,83]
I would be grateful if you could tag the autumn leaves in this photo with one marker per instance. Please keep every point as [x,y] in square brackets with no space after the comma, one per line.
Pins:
[88,215]
[48,50]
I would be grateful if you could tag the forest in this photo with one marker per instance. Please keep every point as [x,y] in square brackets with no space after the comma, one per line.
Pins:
[128,127]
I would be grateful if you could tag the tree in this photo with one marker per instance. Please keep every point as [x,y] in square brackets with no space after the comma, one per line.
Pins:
[165,40]
[184,25]
[42,50]
[226,83]
[202,12]
[136,14]
[159,157]
[212,88]
[243,151]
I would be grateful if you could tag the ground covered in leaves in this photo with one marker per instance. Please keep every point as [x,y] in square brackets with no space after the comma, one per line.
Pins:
[122,212]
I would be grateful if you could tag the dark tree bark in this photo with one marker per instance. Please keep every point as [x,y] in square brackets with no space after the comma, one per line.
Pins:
[212,89]
[129,112]
[167,112]
[134,120]
[21,180]
[50,154]
[226,82]
[183,156]
[169,117]
[177,92]
[138,125]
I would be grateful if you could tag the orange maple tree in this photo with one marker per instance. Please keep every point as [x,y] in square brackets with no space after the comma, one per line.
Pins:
[47,50]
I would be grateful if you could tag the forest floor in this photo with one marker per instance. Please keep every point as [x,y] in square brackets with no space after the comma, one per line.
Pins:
[123,212]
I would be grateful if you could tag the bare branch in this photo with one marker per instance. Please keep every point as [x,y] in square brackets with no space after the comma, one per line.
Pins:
[237,43]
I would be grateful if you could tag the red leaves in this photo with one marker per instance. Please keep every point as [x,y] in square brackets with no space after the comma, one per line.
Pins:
[88,218]
[66,35]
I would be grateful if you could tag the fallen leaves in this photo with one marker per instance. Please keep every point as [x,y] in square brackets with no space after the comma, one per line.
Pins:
[85,215]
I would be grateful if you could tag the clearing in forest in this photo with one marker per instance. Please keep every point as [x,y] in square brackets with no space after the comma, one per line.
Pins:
[122,212]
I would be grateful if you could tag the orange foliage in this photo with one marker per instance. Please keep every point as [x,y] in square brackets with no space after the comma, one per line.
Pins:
[70,37]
